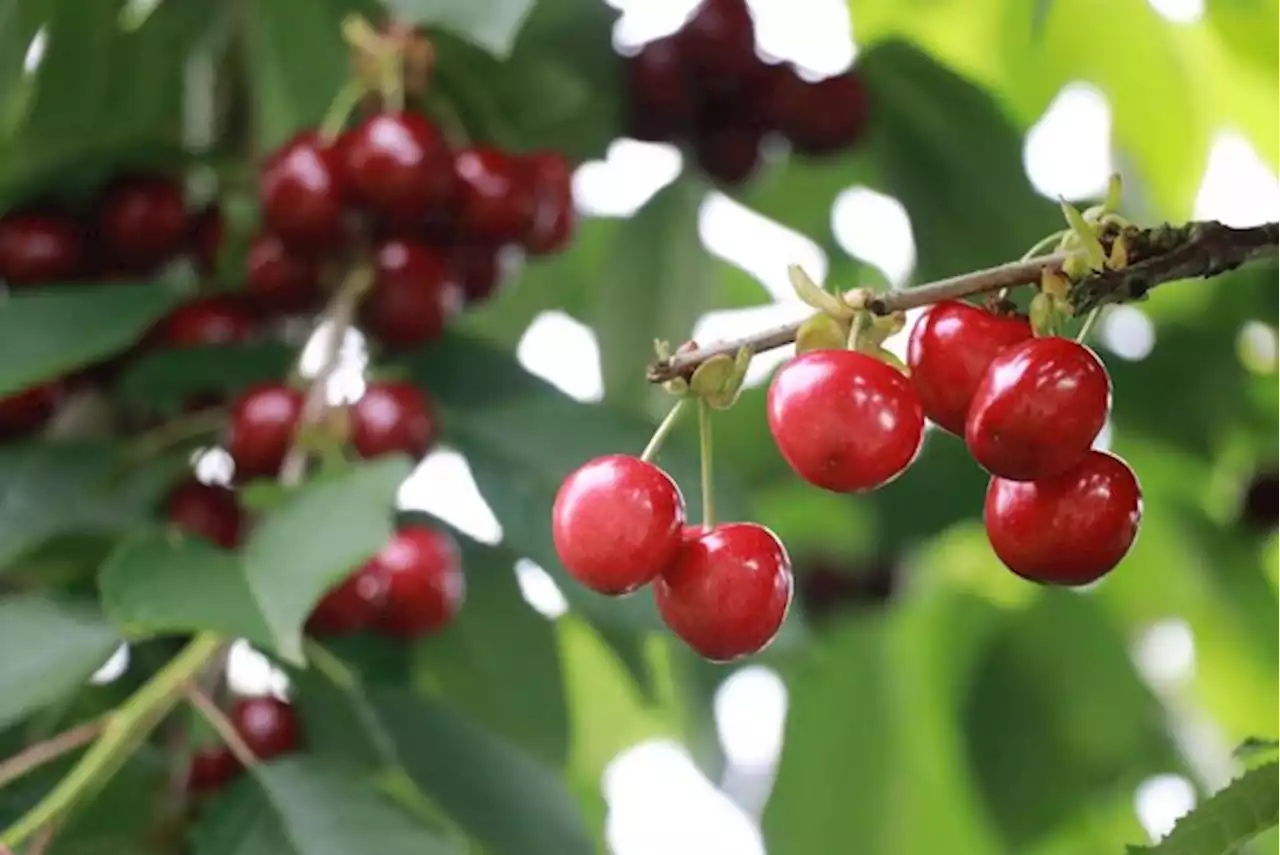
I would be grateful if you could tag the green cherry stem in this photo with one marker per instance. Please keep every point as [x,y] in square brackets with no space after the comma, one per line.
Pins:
[1087,327]
[704,443]
[335,118]
[664,429]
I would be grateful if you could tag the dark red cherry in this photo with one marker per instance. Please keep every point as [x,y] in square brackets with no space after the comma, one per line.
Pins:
[397,165]
[495,199]
[263,422]
[717,44]
[207,511]
[212,768]
[425,585]
[482,269]
[140,221]
[40,247]
[661,102]
[729,154]
[554,218]
[215,319]
[392,417]
[415,293]
[817,116]
[301,193]
[350,606]
[268,726]
[278,279]
[25,412]
[206,237]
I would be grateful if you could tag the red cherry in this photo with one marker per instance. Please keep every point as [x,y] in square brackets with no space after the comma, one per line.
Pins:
[25,412]
[718,44]
[818,117]
[212,768]
[950,347]
[495,199]
[215,319]
[141,220]
[301,192]
[617,523]
[263,422]
[661,101]
[398,166]
[727,591]
[845,421]
[207,511]
[350,606]
[482,269]
[1069,529]
[554,218]
[392,417]
[729,154]
[425,586]
[279,280]
[40,247]
[206,238]
[268,726]
[1037,410]
[415,292]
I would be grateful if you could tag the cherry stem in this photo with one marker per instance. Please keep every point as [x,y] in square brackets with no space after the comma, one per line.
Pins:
[187,426]
[335,118]
[664,429]
[1087,327]
[1043,244]
[222,726]
[704,442]
[50,749]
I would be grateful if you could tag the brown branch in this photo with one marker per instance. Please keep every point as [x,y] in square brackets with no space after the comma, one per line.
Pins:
[1156,255]
[50,749]
[222,726]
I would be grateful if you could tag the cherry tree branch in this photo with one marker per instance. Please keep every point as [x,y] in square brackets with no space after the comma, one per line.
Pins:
[51,749]
[1156,255]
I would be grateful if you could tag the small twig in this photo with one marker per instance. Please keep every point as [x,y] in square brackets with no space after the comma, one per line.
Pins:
[50,749]
[40,841]
[184,427]
[222,725]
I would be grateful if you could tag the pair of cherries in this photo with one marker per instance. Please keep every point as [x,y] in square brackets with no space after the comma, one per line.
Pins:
[267,726]
[619,524]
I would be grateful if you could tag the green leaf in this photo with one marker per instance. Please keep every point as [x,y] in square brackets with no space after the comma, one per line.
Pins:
[316,537]
[1256,746]
[1222,824]
[50,650]
[46,333]
[164,381]
[161,582]
[499,795]
[489,24]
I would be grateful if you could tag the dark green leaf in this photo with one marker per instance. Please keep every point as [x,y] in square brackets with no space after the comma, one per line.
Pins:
[163,381]
[489,24]
[50,650]
[1242,810]
[19,22]
[1256,746]
[46,333]
[320,534]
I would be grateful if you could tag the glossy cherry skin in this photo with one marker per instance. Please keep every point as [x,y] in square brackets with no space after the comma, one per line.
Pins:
[25,412]
[1069,529]
[278,279]
[263,422]
[301,193]
[495,197]
[817,117]
[727,591]
[398,166]
[392,417]
[661,101]
[843,420]
[40,247]
[207,511]
[617,522]
[350,606]
[212,768]
[948,352]
[1037,410]
[425,585]
[216,319]
[268,726]
[415,293]
[554,219]
[717,44]
[206,238]
[140,221]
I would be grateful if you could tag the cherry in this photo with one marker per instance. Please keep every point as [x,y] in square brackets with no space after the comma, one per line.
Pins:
[829,587]
[268,726]
[1069,529]
[481,269]
[215,319]
[661,102]
[843,420]
[206,237]
[718,44]
[818,117]
[278,279]
[39,247]
[263,422]
[948,352]
[301,192]
[207,511]
[392,417]
[425,586]
[729,154]
[1038,408]
[351,605]
[212,768]
[141,220]
[25,412]
[727,591]
[1259,502]
[554,219]
[617,523]
[415,292]
[495,199]
[397,165]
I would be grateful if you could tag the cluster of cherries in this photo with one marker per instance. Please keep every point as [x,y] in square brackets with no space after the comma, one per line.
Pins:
[706,84]
[268,727]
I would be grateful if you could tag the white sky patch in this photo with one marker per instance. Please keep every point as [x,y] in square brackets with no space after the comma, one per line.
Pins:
[1237,188]
[1127,332]
[1067,152]
[539,590]
[875,228]
[751,713]
[113,669]
[758,245]
[820,40]
[250,674]
[1179,11]
[1257,346]
[1165,653]
[565,353]
[629,176]
[1160,801]
[442,485]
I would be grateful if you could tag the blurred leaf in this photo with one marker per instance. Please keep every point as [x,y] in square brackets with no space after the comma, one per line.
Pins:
[51,649]
[19,22]
[489,24]
[163,381]
[161,582]
[1256,747]
[323,532]
[46,333]
[1234,815]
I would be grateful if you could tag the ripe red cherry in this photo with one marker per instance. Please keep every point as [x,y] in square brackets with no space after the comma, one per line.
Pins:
[301,192]
[950,347]
[727,591]
[718,44]
[278,279]
[1037,410]
[141,221]
[351,605]
[264,420]
[206,238]
[415,292]
[845,421]
[212,768]
[27,411]
[39,247]
[397,165]
[268,726]
[552,224]
[392,417]
[617,523]
[817,117]
[207,511]
[481,269]
[729,154]
[661,102]
[1069,529]
[216,319]
[425,586]
[495,199]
